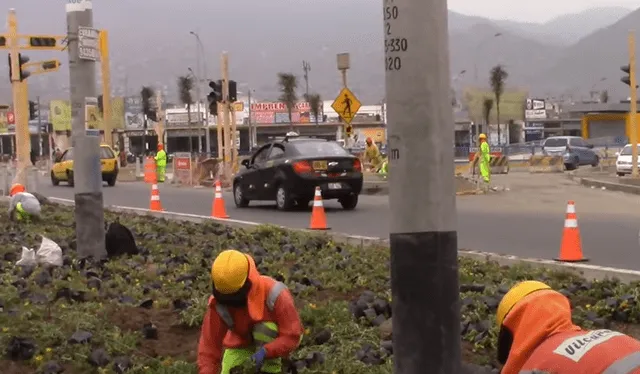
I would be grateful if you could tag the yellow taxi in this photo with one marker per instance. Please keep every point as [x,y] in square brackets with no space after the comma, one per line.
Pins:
[62,170]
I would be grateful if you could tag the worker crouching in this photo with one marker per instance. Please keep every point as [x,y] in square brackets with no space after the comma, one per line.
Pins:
[249,317]
[23,206]
[538,336]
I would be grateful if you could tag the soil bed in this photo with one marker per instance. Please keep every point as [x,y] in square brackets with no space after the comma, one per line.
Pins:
[141,313]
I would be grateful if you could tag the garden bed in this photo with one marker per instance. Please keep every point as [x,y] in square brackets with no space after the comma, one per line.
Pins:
[142,313]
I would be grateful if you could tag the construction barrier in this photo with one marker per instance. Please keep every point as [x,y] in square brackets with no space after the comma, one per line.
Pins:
[499,165]
[546,164]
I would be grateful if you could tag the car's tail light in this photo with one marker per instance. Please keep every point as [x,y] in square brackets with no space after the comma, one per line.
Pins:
[357,165]
[302,167]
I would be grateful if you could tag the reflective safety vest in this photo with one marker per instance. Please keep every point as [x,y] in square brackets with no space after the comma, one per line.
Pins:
[274,293]
[595,351]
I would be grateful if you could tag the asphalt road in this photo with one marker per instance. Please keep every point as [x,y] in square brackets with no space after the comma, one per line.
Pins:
[525,221]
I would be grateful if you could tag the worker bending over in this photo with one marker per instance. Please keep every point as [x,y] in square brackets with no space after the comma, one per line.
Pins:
[249,317]
[23,206]
[538,336]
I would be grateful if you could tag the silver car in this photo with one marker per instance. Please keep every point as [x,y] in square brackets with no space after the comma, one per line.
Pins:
[574,150]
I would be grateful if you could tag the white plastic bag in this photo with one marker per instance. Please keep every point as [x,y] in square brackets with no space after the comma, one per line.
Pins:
[28,257]
[49,252]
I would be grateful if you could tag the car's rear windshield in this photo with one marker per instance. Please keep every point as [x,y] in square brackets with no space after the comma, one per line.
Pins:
[317,148]
[106,153]
[558,142]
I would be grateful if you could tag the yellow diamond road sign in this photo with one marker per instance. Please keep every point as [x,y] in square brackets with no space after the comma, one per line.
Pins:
[346,105]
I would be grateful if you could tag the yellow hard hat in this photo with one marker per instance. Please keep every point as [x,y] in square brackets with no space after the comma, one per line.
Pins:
[229,271]
[515,294]
[482,136]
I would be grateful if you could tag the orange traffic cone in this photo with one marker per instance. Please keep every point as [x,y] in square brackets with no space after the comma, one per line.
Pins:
[318,218]
[155,203]
[571,245]
[217,208]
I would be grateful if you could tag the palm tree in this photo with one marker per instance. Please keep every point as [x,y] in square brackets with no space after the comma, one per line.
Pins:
[315,104]
[288,85]
[487,107]
[146,94]
[497,79]
[185,85]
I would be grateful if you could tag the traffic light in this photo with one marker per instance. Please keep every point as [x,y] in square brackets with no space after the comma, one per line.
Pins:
[51,65]
[626,79]
[213,108]
[3,41]
[10,68]
[101,104]
[24,74]
[33,110]
[42,42]
[233,91]
[348,130]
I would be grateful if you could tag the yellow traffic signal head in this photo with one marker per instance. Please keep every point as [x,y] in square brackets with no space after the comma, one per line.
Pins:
[24,74]
[51,65]
[42,42]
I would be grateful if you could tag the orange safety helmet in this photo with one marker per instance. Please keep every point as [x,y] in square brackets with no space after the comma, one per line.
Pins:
[369,140]
[16,189]
[160,146]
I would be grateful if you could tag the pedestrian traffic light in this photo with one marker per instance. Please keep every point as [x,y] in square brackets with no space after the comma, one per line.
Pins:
[3,41]
[626,79]
[216,92]
[233,91]
[348,130]
[33,110]
[42,42]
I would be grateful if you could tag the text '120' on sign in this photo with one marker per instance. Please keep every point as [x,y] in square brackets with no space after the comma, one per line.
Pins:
[394,45]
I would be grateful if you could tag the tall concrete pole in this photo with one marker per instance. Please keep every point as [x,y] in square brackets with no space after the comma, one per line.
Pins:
[89,208]
[424,266]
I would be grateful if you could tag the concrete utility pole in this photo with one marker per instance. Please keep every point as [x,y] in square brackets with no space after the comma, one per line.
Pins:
[202,74]
[159,127]
[40,143]
[89,208]
[424,264]
[251,126]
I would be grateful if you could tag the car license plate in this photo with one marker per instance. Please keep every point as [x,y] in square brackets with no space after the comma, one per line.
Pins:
[335,186]
[319,165]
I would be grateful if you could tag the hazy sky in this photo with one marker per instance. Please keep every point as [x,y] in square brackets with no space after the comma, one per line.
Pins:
[532,11]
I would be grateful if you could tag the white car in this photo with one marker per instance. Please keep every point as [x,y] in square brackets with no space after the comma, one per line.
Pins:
[623,163]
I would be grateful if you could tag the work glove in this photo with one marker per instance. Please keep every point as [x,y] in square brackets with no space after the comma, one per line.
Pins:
[258,357]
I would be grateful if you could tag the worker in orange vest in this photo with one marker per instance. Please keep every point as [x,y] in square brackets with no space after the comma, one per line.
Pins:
[538,336]
[250,317]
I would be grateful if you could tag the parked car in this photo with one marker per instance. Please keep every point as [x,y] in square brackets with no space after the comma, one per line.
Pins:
[288,171]
[62,170]
[623,161]
[574,150]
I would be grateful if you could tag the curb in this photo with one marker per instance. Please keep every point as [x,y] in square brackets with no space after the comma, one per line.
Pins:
[375,188]
[585,270]
[611,186]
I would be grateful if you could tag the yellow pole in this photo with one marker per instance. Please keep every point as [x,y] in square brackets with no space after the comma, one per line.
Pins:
[20,102]
[219,121]
[107,115]
[633,110]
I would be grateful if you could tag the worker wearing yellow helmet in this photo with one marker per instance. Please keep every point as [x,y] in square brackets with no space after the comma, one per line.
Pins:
[483,157]
[537,335]
[249,317]
[23,206]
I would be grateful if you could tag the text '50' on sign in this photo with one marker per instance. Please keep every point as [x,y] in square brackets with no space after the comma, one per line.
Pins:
[346,105]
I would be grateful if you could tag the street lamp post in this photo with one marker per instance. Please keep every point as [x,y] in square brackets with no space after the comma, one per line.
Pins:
[202,75]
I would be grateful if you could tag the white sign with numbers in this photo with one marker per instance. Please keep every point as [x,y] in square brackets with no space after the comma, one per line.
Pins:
[88,44]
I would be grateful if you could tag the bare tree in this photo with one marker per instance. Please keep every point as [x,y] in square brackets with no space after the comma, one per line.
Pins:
[185,85]
[146,94]
[497,79]
[288,85]
[315,103]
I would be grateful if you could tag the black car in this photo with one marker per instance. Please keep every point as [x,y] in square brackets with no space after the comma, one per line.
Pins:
[289,170]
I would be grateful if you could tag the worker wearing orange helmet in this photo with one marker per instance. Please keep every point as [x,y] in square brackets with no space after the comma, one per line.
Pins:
[249,317]
[484,158]
[372,154]
[23,206]
[161,163]
[537,335]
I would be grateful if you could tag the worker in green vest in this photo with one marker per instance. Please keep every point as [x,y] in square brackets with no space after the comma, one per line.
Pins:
[161,163]
[484,158]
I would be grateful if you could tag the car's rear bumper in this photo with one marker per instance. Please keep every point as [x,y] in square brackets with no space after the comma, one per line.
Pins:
[331,188]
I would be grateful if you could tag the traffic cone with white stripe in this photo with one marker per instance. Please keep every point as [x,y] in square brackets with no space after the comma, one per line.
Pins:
[571,245]
[217,208]
[318,218]
[155,203]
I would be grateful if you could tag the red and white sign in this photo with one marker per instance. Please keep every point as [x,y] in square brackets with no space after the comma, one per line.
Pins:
[11,118]
[278,107]
[182,163]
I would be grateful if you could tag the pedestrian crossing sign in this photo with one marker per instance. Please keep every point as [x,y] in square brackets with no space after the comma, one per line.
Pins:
[346,105]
